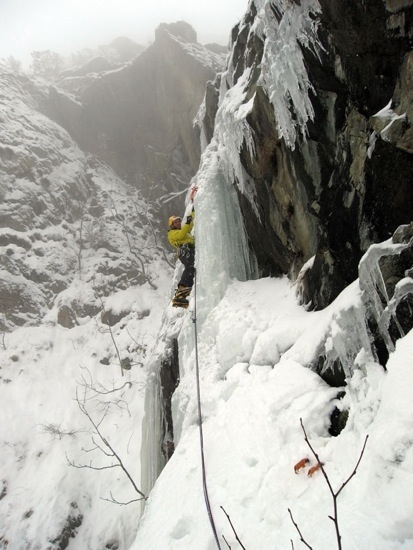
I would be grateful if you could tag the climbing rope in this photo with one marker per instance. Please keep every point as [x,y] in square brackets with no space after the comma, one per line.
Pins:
[201,434]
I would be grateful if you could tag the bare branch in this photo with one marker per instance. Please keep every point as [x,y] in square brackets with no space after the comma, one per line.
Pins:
[298,531]
[93,449]
[105,391]
[115,501]
[355,468]
[334,494]
[226,542]
[110,331]
[233,529]
[106,448]
[126,472]
[93,389]
[90,466]
[317,458]
[104,451]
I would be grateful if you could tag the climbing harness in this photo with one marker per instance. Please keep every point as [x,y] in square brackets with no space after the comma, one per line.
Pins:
[201,435]
[186,250]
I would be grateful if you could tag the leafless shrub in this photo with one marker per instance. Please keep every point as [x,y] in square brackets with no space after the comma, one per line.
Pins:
[57,431]
[102,444]
[334,494]
[98,392]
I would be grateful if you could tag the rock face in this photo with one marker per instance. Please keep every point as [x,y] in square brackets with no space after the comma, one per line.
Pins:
[139,118]
[386,285]
[59,219]
[344,180]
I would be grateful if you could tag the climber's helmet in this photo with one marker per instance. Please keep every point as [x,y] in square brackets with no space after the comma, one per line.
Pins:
[172,220]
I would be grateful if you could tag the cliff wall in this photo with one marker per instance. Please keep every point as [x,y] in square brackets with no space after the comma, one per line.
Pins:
[139,118]
[331,126]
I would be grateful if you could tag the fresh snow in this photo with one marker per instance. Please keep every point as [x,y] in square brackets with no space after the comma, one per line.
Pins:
[44,370]
[258,349]
[201,53]
[255,388]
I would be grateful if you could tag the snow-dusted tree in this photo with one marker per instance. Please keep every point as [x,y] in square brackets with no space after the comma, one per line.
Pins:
[12,63]
[101,444]
[46,63]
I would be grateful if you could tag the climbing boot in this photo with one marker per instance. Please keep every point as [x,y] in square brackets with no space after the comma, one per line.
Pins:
[180,302]
[182,291]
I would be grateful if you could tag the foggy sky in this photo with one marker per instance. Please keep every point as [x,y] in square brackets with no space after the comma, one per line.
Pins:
[67,26]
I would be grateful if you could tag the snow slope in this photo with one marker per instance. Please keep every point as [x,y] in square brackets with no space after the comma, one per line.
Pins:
[54,483]
[255,389]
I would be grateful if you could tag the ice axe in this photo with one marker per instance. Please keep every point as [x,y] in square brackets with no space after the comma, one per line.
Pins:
[192,193]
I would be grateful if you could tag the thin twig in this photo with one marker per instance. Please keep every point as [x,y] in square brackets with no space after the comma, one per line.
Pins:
[115,501]
[298,531]
[334,494]
[316,457]
[56,430]
[232,527]
[226,542]
[355,468]
[95,387]
[106,443]
[90,466]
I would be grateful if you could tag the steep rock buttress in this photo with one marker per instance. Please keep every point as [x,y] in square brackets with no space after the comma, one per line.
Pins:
[330,166]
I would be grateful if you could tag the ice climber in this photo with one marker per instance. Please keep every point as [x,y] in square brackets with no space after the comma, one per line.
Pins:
[180,237]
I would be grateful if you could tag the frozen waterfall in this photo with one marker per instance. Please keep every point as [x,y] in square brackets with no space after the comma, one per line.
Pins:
[222,250]
[221,242]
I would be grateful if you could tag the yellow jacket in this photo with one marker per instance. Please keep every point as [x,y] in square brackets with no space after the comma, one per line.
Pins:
[177,237]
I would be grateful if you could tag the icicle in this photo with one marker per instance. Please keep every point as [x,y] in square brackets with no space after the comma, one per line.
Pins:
[198,121]
[283,26]
[402,289]
[349,337]
[153,438]
[372,283]
[152,461]
[232,131]
[222,247]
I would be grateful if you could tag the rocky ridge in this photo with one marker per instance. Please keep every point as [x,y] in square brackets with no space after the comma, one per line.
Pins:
[139,118]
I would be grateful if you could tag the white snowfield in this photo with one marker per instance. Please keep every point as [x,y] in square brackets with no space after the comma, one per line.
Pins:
[257,350]
[255,389]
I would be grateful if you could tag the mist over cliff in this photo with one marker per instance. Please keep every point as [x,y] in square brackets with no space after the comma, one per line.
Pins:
[139,117]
